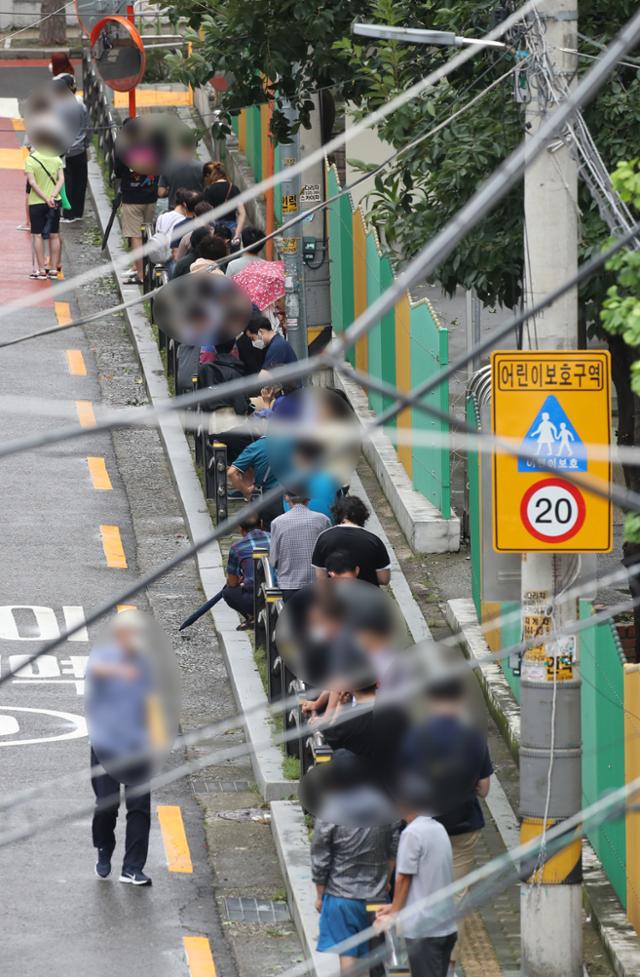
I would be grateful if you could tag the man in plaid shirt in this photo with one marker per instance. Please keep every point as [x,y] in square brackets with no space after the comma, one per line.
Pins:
[238,592]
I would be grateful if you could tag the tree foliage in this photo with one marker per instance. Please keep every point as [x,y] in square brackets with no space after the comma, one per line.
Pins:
[277,49]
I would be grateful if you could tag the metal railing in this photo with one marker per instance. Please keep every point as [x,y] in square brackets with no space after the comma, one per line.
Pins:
[282,683]
[104,123]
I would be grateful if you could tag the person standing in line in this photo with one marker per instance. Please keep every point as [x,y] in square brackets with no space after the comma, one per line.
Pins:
[349,866]
[139,196]
[75,117]
[184,171]
[424,866]
[218,190]
[293,536]
[448,740]
[348,534]
[119,687]
[45,176]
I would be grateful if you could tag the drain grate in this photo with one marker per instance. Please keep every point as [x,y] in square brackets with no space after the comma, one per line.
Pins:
[220,786]
[239,910]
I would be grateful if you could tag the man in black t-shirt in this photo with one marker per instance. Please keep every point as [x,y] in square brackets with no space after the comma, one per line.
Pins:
[366,549]
[139,196]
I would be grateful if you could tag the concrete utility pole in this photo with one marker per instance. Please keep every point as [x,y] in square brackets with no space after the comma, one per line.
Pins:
[291,246]
[550,751]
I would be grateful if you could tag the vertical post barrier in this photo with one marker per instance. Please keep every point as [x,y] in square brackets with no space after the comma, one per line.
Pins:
[132,93]
[220,470]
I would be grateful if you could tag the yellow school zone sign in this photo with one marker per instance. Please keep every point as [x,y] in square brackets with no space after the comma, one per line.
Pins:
[555,408]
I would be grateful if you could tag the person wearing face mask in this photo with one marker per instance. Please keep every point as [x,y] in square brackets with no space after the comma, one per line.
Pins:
[251,349]
[279,352]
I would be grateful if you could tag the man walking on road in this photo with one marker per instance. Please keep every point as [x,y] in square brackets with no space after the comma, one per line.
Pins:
[118,691]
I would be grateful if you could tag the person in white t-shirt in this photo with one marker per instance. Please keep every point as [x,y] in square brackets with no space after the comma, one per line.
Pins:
[424,866]
[167,221]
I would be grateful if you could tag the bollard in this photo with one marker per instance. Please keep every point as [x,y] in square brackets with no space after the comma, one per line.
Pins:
[273,599]
[372,906]
[199,428]
[259,629]
[220,473]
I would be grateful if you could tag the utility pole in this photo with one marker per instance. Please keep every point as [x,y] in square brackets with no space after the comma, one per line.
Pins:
[291,245]
[550,751]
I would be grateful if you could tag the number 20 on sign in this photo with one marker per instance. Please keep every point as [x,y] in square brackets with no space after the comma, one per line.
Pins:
[554,407]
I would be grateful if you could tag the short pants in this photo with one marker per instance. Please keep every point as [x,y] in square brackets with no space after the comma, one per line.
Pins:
[134,216]
[341,918]
[44,220]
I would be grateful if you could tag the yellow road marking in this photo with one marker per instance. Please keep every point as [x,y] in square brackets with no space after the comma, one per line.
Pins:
[18,124]
[199,956]
[76,363]
[85,413]
[12,159]
[121,608]
[63,313]
[99,474]
[174,838]
[113,548]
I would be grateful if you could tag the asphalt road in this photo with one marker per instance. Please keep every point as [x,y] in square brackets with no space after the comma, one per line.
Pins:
[59,507]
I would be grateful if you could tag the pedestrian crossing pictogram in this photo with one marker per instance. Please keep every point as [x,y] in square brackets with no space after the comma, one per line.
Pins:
[553,439]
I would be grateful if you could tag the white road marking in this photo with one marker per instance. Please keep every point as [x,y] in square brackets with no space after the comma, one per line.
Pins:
[78,732]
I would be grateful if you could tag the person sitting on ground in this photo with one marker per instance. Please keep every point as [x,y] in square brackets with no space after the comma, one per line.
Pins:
[210,251]
[202,207]
[279,351]
[252,241]
[349,866]
[183,265]
[45,176]
[348,534]
[238,591]
[184,171]
[293,536]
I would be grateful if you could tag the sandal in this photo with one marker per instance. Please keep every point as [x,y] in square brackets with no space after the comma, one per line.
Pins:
[52,273]
[40,275]
[132,279]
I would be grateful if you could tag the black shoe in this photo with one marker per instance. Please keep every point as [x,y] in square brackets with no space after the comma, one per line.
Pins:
[134,877]
[103,865]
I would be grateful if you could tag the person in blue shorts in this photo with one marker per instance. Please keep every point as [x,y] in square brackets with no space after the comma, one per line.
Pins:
[350,866]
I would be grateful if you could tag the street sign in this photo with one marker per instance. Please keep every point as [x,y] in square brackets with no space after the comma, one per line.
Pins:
[555,407]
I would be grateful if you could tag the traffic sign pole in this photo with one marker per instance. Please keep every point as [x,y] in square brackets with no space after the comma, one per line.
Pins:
[132,93]
[554,407]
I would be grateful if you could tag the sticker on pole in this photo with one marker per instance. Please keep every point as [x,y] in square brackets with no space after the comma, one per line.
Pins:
[551,475]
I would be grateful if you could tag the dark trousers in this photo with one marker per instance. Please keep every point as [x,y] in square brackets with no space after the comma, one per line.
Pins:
[430,956]
[75,183]
[107,791]
[239,599]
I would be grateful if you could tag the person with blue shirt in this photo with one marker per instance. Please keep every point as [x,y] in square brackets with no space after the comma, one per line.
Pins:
[119,687]
[252,472]
[279,351]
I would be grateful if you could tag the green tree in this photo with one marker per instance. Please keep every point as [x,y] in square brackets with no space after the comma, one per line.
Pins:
[620,318]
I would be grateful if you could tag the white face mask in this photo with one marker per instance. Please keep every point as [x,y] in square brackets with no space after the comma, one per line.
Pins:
[257,343]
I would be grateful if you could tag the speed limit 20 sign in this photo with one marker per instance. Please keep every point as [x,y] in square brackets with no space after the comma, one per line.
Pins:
[553,409]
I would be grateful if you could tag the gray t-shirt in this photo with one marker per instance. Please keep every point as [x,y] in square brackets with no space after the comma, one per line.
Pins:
[424,852]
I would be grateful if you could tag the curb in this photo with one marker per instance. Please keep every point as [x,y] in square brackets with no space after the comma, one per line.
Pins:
[617,934]
[238,652]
